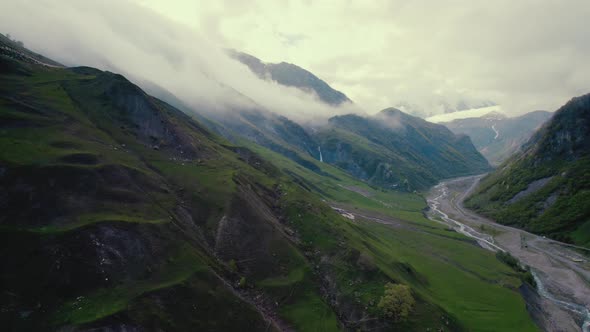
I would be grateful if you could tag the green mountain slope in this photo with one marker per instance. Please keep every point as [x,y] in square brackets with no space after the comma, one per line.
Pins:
[122,213]
[396,150]
[117,206]
[546,187]
[496,136]
[392,149]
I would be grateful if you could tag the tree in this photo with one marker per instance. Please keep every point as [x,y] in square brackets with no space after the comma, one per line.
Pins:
[242,283]
[397,302]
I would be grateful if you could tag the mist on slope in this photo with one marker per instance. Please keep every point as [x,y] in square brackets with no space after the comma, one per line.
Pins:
[127,38]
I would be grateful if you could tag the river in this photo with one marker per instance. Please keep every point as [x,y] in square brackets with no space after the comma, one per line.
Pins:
[562,273]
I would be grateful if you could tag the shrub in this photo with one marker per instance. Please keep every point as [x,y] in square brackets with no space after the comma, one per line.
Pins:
[233,266]
[529,278]
[397,302]
[509,260]
[525,273]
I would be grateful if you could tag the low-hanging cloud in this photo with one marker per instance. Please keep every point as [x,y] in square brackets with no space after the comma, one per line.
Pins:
[524,55]
[131,39]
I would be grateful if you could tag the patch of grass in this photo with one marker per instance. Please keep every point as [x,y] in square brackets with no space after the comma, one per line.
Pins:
[294,276]
[466,281]
[310,314]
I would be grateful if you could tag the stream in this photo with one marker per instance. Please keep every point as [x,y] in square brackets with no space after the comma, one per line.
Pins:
[441,192]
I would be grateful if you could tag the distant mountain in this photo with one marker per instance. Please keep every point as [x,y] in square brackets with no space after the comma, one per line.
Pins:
[397,150]
[497,136]
[291,75]
[270,130]
[545,188]
[391,149]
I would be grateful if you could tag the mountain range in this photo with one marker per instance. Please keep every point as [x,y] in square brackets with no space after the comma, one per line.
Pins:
[397,150]
[122,212]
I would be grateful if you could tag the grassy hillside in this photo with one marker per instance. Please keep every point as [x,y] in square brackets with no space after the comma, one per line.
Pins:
[438,263]
[120,211]
[546,187]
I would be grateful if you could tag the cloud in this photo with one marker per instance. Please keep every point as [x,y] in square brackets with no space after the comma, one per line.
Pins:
[291,39]
[525,55]
[144,45]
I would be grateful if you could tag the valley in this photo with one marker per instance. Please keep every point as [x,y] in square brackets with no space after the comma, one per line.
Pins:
[561,271]
[121,212]
[156,177]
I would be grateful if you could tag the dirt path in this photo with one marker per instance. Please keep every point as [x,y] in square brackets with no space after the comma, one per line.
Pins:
[562,273]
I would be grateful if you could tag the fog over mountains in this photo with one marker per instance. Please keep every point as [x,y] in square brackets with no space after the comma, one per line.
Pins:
[294,166]
[466,62]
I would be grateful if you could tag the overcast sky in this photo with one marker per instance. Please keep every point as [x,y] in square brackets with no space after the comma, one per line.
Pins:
[524,55]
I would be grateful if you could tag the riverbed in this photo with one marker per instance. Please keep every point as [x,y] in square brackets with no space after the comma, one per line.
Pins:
[562,271]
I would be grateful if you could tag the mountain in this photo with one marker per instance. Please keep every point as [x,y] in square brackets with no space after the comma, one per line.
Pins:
[16,49]
[392,149]
[122,213]
[545,188]
[410,157]
[291,75]
[397,150]
[497,136]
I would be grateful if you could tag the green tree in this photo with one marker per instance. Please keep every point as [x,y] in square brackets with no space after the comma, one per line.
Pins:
[397,302]
[242,283]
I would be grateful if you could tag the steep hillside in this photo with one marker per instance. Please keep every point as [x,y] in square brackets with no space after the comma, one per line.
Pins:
[267,129]
[392,149]
[120,212]
[546,187]
[100,229]
[12,48]
[497,136]
[291,75]
[396,150]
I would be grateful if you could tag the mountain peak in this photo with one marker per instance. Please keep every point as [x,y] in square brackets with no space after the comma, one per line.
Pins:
[289,74]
